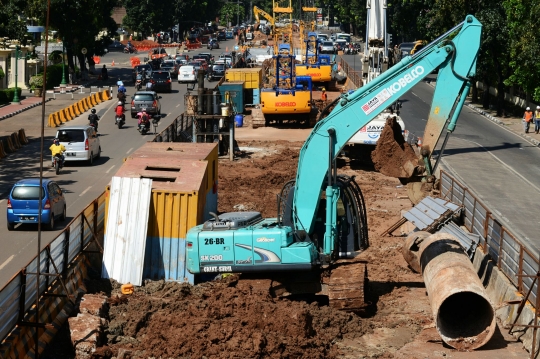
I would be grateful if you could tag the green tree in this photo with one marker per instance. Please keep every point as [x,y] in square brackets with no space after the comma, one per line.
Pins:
[11,20]
[523,18]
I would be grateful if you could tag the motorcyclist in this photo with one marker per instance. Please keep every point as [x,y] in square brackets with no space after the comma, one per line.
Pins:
[121,95]
[57,149]
[143,118]
[139,80]
[93,119]
[120,110]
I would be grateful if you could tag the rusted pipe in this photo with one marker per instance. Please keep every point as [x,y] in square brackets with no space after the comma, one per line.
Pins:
[463,314]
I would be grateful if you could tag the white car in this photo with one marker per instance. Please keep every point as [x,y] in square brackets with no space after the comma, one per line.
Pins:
[326,47]
[81,143]
[187,73]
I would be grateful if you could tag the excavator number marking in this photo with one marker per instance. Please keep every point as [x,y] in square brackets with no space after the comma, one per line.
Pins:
[208,241]
[437,109]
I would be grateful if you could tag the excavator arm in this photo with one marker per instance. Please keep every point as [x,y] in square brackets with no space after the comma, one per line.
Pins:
[260,12]
[455,56]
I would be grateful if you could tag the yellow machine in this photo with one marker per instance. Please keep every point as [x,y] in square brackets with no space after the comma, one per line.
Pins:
[260,12]
[317,66]
[290,94]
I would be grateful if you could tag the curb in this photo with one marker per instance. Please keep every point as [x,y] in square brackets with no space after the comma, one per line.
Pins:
[24,109]
[496,120]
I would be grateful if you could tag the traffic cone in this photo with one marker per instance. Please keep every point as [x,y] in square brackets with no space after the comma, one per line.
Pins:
[419,142]
[227,49]
[112,63]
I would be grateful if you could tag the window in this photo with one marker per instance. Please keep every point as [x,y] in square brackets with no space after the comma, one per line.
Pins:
[160,75]
[27,193]
[71,136]
[143,97]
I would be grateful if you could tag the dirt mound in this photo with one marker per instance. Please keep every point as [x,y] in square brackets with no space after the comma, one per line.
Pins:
[393,156]
[226,318]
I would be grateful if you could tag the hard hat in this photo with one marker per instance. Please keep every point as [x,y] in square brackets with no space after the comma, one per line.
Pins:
[538,107]
[323,89]
[528,109]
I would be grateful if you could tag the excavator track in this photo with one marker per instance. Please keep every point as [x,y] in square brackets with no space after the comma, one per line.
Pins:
[346,286]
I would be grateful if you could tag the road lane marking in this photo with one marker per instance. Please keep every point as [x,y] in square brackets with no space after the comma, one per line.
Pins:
[7,261]
[131,149]
[169,114]
[86,190]
[178,105]
[109,170]
[1,200]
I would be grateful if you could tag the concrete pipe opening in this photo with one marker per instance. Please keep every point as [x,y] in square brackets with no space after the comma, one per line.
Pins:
[465,320]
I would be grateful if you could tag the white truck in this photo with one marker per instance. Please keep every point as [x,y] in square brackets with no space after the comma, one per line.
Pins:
[365,140]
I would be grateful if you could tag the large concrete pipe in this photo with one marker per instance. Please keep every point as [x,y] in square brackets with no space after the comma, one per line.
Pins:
[463,314]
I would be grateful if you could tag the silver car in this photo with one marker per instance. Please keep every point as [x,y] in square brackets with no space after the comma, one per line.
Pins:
[81,142]
[326,47]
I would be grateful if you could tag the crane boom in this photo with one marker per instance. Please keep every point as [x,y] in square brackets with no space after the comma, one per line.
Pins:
[260,12]
[456,59]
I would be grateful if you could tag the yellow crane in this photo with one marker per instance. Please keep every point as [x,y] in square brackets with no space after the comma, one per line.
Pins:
[260,12]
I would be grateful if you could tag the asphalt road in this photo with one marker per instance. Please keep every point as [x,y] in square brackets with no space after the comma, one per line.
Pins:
[81,183]
[501,167]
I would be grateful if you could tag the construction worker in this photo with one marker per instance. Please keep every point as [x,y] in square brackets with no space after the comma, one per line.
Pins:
[324,97]
[527,119]
[537,119]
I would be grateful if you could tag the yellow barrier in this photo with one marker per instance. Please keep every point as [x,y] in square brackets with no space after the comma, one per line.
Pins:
[22,137]
[62,116]
[88,103]
[92,101]
[107,94]
[57,120]
[71,112]
[2,151]
[15,140]
[80,106]
[96,96]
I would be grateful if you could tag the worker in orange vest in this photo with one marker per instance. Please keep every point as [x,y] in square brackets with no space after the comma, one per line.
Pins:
[324,97]
[527,119]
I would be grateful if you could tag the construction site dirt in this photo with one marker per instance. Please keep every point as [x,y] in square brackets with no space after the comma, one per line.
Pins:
[234,317]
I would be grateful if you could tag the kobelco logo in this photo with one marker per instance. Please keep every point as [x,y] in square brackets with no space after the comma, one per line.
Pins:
[285,104]
[407,79]
[314,74]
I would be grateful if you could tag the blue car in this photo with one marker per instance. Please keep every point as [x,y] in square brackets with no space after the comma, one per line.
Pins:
[23,201]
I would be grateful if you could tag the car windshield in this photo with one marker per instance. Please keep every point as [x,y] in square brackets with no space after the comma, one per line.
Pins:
[167,65]
[71,136]
[160,75]
[219,67]
[195,64]
[143,97]
[327,43]
[27,193]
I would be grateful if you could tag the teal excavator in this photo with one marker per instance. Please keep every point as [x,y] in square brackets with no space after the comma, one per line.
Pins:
[321,219]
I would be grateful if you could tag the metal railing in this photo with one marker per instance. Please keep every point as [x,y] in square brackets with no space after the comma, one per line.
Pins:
[354,76]
[178,131]
[512,258]
[19,295]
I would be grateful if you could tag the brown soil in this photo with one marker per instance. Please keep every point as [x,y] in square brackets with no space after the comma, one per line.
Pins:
[235,317]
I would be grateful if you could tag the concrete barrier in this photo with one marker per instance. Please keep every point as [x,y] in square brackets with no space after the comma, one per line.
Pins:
[22,137]
[15,140]
[71,112]
[2,151]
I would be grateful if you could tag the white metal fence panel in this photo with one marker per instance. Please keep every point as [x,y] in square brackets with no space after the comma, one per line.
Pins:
[125,237]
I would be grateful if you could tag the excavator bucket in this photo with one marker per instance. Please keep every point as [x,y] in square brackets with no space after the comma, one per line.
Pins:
[393,156]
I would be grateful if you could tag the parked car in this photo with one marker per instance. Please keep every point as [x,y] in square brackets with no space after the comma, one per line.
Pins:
[326,47]
[81,142]
[221,36]
[161,81]
[171,66]
[23,203]
[187,73]
[217,72]
[148,100]
[212,44]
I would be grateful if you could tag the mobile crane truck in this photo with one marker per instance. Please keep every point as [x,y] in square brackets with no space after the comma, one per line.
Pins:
[321,217]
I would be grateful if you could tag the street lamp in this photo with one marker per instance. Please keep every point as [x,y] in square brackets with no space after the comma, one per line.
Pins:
[63,83]
[18,52]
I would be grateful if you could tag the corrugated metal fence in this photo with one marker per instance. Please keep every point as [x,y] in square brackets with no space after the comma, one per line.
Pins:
[19,295]
[511,256]
[178,131]
[354,76]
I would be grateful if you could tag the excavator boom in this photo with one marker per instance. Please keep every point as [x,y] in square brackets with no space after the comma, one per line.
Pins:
[456,60]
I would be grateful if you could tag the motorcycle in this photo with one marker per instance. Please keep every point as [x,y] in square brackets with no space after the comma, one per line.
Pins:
[119,121]
[131,50]
[57,163]
[144,127]
[138,85]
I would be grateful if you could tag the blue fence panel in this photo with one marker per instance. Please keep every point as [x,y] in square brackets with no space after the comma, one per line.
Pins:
[9,306]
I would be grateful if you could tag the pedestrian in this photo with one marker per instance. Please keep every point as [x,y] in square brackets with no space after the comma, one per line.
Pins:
[527,119]
[324,97]
[70,71]
[104,73]
[537,119]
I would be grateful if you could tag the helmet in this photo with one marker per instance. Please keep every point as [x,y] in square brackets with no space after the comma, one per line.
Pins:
[120,103]
[93,110]
[323,89]
[56,141]
[528,109]
[538,107]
